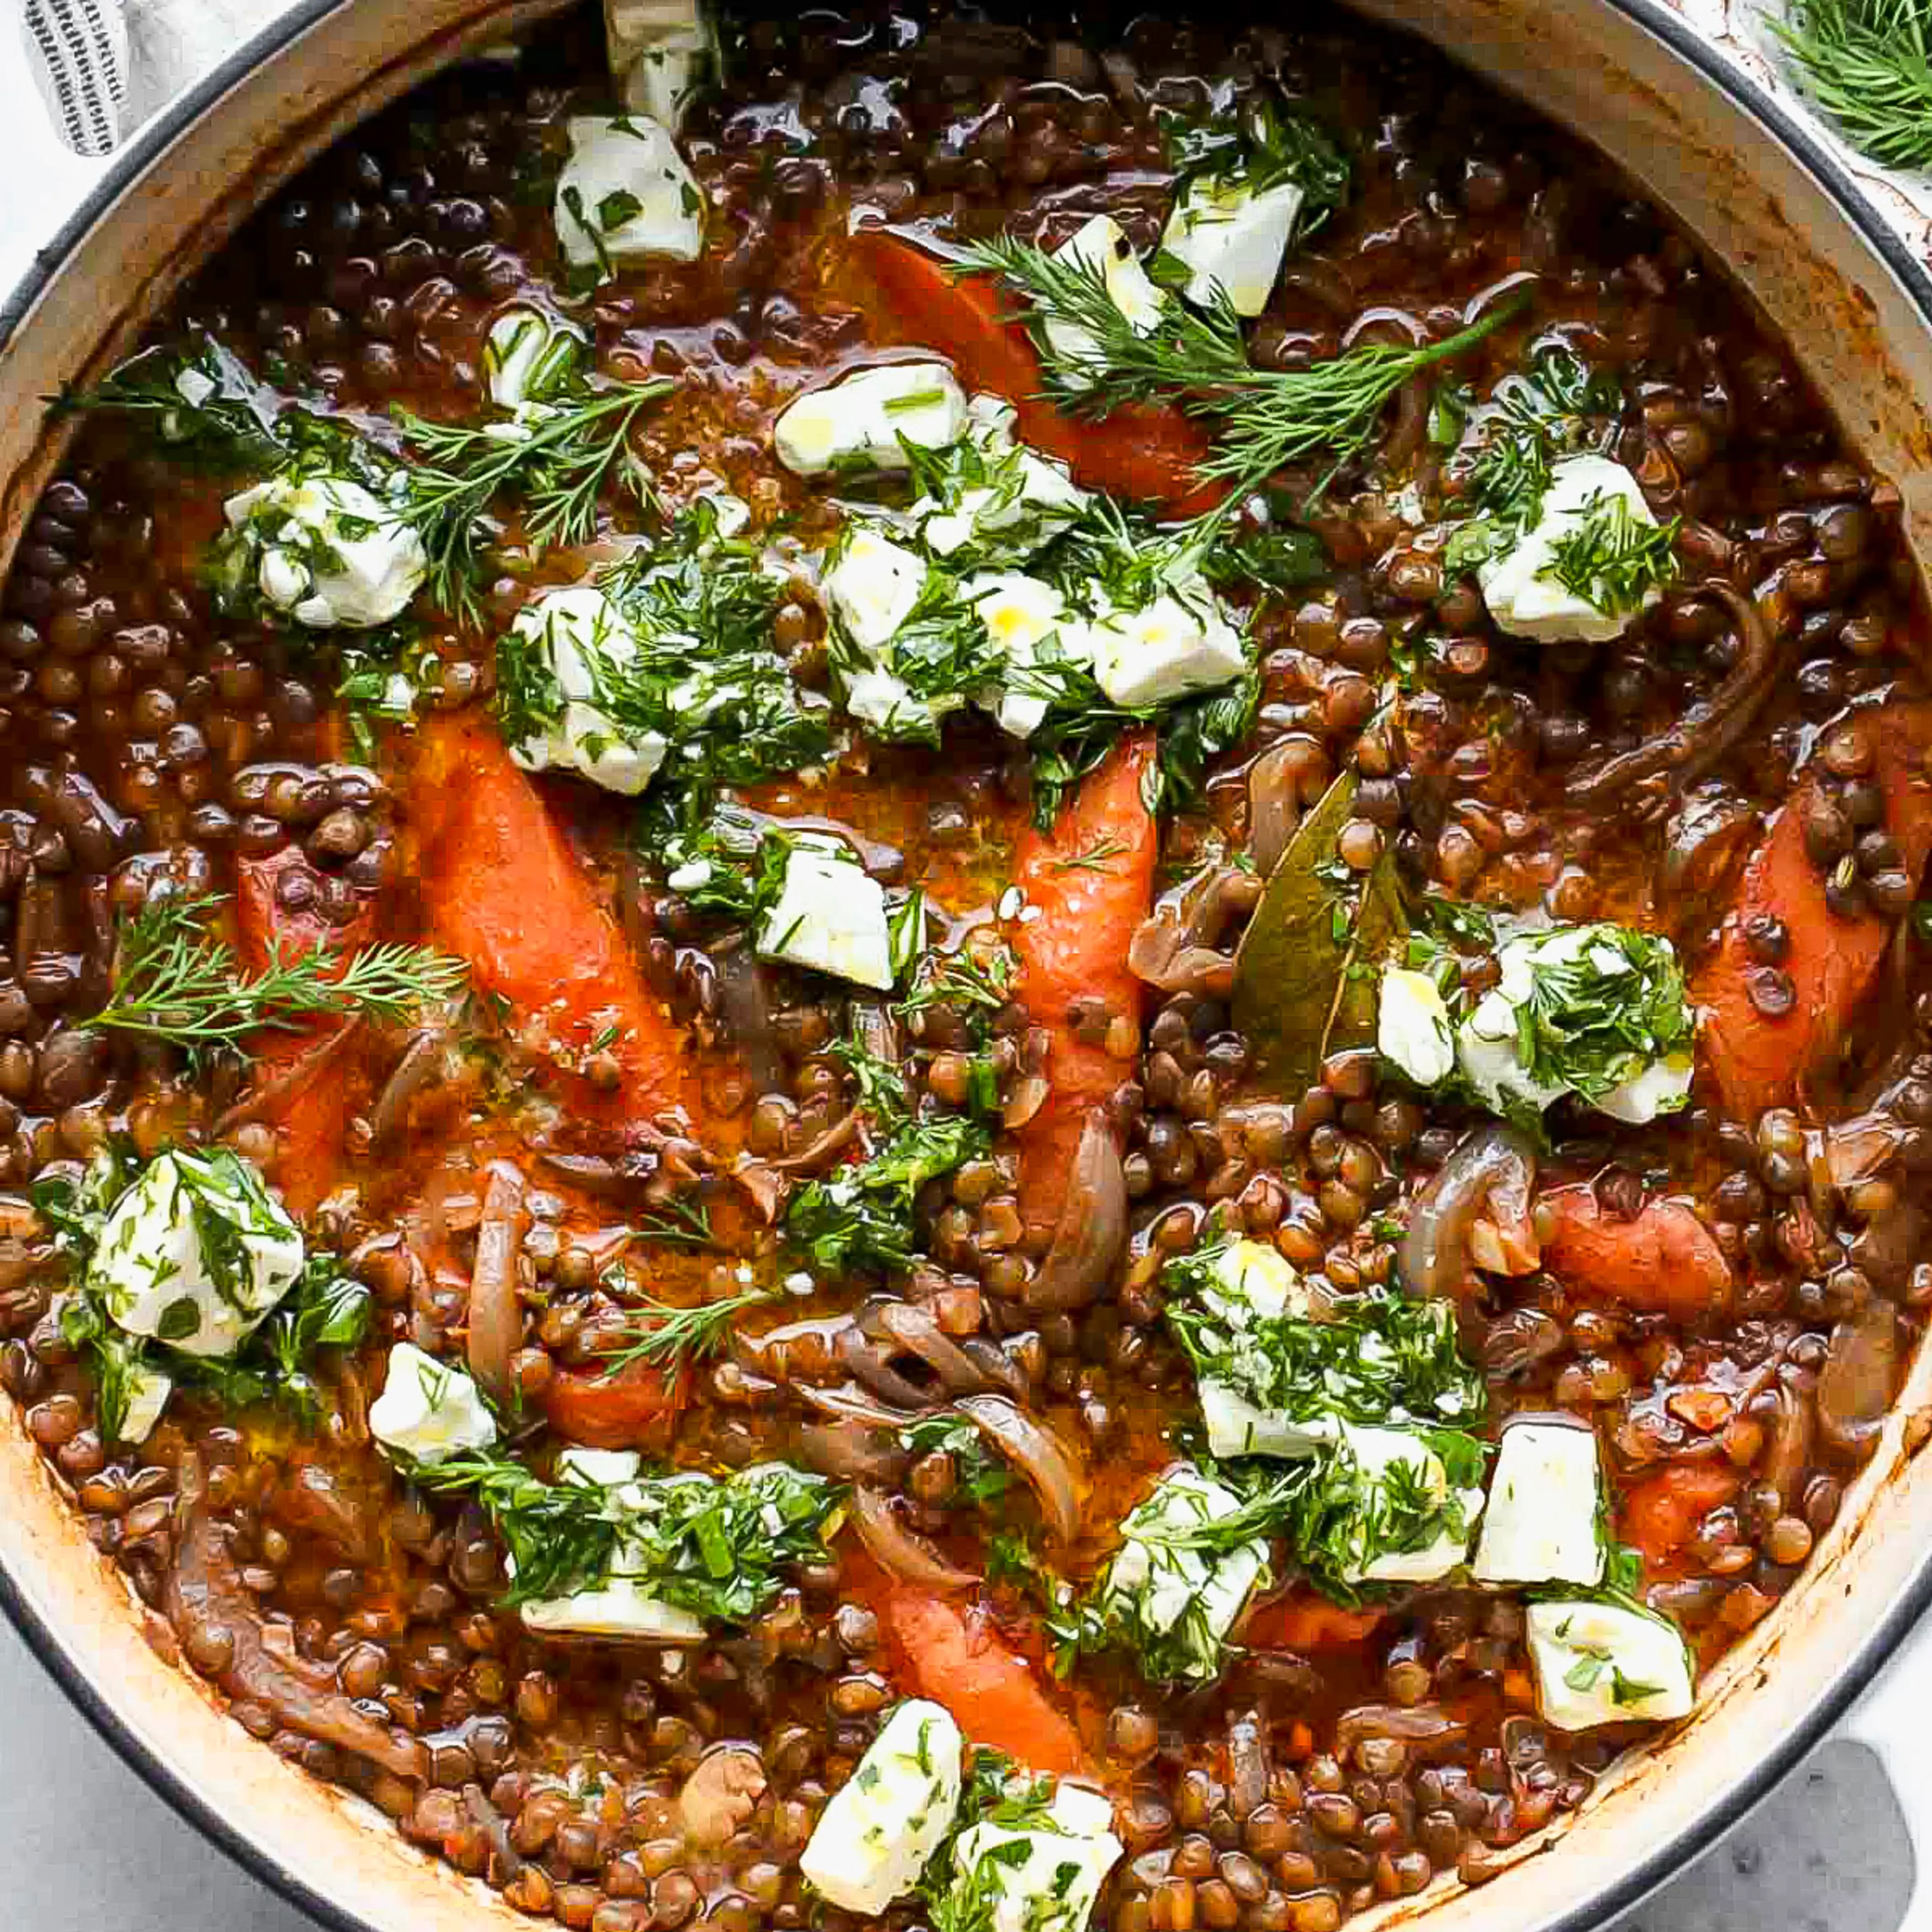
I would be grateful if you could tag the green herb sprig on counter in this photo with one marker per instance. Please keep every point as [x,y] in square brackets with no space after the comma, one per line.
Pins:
[175,981]
[1267,418]
[1868,64]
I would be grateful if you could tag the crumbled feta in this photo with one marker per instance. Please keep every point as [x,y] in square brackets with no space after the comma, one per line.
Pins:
[866,421]
[830,915]
[660,49]
[529,355]
[1236,1426]
[1102,245]
[1605,1664]
[325,551]
[619,1606]
[1412,1026]
[429,1410]
[1375,1454]
[1179,643]
[872,587]
[996,494]
[626,195]
[1228,238]
[147,1394]
[1579,973]
[873,1839]
[1180,1603]
[1028,621]
[196,1253]
[1254,1283]
[579,639]
[1526,601]
[1042,1877]
[1543,1523]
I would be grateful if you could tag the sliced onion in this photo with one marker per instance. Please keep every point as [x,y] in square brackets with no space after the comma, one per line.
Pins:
[903,1325]
[902,1551]
[1854,1386]
[867,1361]
[495,1310]
[1037,1453]
[1789,1453]
[1424,1724]
[765,1190]
[744,997]
[1028,1095]
[1092,1235]
[811,1158]
[852,1452]
[1489,1174]
[1172,948]
[845,1403]
[429,1060]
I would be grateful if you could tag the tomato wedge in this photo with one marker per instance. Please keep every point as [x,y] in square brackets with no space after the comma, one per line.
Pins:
[1664,1261]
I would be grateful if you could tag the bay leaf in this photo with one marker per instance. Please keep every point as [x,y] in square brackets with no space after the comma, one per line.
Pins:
[1306,975]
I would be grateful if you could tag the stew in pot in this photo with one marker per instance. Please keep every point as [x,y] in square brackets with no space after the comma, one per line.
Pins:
[960,973]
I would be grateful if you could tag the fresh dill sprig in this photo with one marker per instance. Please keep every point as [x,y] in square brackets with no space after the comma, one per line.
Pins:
[175,982]
[664,1336]
[678,1224]
[1868,64]
[556,463]
[1267,418]
[1094,859]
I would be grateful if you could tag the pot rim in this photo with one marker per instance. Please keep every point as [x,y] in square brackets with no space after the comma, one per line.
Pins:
[1665,1860]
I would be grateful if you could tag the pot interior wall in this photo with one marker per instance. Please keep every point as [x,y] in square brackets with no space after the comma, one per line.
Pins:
[1866,344]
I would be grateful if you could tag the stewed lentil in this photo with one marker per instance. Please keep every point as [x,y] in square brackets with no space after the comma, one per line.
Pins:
[944,1246]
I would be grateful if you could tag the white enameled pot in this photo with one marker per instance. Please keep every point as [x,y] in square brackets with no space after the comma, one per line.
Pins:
[1761,194]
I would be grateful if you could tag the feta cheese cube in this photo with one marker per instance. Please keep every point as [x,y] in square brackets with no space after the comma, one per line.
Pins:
[1236,1426]
[1605,1663]
[1526,601]
[1595,959]
[1001,496]
[866,421]
[429,1411]
[659,50]
[1044,1877]
[1544,1522]
[873,1839]
[147,1395]
[619,1607]
[1028,621]
[1181,642]
[324,551]
[1228,238]
[1181,1602]
[1412,1026]
[626,195]
[1376,1453]
[1254,1279]
[830,915]
[872,587]
[1102,245]
[530,354]
[579,641]
[887,703]
[196,1253]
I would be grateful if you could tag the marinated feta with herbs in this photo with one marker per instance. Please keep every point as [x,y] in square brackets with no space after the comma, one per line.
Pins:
[830,915]
[988,498]
[1413,1027]
[625,195]
[873,586]
[196,1253]
[578,648]
[531,356]
[1596,1011]
[1029,626]
[1598,1661]
[1230,240]
[1041,1874]
[875,420]
[1591,562]
[429,1410]
[146,1398]
[1394,1510]
[322,550]
[1180,641]
[1544,1522]
[881,1826]
[1100,246]
[1181,1577]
